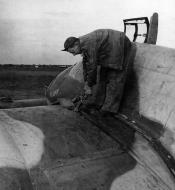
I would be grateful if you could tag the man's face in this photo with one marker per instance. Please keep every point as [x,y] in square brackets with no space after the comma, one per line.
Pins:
[75,50]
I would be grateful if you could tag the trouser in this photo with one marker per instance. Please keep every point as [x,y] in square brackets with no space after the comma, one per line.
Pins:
[109,90]
[115,81]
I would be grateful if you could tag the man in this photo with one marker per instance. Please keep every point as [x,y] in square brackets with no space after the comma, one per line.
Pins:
[105,63]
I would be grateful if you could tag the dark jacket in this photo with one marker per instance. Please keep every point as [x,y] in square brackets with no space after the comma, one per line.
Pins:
[103,47]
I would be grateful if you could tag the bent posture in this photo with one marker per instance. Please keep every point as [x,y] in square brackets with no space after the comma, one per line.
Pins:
[105,53]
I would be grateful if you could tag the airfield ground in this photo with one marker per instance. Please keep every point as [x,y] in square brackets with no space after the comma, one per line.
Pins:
[26,81]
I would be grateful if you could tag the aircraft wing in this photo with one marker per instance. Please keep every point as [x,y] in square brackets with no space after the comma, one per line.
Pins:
[49,147]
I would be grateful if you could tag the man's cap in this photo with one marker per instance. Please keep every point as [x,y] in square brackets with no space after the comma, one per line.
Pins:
[69,43]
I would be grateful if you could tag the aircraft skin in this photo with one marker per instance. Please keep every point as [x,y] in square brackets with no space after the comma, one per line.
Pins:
[23,103]
[151,87]
[149,90]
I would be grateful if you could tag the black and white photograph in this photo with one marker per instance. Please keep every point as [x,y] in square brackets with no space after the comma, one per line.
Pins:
[87,95]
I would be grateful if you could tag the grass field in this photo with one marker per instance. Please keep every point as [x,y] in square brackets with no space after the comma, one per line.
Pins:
[25,83]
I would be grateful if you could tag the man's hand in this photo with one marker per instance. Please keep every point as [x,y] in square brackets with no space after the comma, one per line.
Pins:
[85,102]
[87,89]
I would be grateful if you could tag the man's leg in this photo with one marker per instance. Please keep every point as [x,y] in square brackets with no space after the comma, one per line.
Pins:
[114,90]
[99,90]
[116,82]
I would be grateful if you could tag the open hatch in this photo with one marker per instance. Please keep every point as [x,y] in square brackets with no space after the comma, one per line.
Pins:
[142,30]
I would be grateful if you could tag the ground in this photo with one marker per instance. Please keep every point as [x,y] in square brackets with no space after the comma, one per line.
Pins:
[24,82]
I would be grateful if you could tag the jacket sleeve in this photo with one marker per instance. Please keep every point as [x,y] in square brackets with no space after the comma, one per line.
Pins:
[92,64]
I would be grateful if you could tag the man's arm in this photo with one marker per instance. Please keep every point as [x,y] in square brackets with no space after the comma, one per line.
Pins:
[92,64]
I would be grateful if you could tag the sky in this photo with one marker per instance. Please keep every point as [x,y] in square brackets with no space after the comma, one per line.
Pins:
[34,31]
